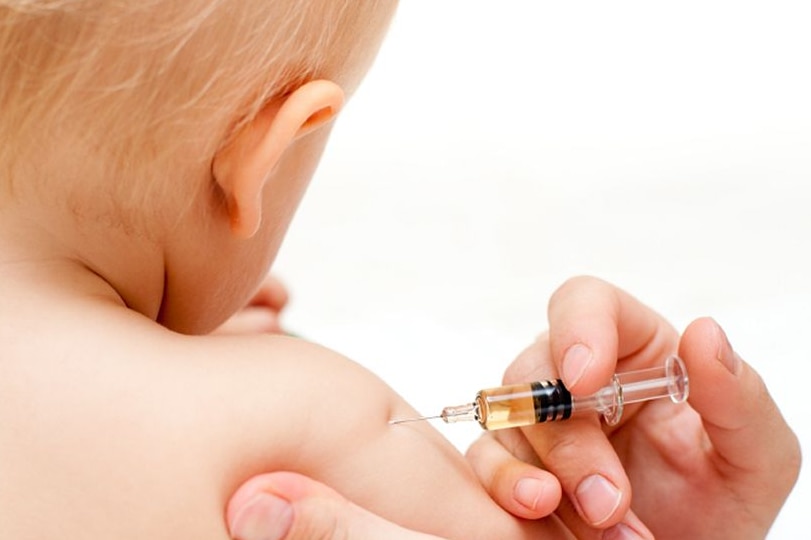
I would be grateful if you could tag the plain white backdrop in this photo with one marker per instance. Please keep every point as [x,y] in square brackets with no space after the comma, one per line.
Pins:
[498,148]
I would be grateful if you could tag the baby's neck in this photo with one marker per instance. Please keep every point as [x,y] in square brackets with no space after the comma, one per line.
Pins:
[46,247]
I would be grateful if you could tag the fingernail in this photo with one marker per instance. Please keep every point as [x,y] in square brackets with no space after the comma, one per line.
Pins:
[726,355]
[621,531]
[575,362]
[528,491]
[598,499]
[264,517]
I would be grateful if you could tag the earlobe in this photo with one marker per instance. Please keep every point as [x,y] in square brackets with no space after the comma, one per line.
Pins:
[241,168]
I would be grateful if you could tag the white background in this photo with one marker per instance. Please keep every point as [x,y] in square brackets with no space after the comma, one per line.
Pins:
[498,148]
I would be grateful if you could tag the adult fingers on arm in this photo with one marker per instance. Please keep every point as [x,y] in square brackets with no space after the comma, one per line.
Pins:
[501,460]
[592,324]
[752,444]
[576,451]
[588,469]
[289,506]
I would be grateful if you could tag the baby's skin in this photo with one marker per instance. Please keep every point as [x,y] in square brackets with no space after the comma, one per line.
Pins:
[115,427]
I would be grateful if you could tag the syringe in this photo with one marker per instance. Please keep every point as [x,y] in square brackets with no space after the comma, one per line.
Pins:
[544,401]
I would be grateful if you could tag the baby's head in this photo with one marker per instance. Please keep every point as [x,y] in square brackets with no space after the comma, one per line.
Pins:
[189,126]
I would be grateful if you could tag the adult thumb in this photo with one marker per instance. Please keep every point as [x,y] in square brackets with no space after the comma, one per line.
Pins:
[741,420]
[290,506]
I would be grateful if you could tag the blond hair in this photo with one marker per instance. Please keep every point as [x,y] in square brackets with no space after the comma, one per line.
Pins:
[138,83]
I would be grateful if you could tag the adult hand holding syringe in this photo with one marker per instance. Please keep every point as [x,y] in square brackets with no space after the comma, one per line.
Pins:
[691,465]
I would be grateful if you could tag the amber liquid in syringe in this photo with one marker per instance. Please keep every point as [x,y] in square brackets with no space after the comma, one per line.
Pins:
[523,404]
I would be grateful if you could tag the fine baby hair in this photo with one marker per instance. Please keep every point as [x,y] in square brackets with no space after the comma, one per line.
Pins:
[152,88]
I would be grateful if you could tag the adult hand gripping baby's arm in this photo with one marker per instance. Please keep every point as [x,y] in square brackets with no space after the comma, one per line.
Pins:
[702,470]
[290,506]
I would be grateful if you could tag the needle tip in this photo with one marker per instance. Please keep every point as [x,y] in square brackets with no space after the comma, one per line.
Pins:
[409,420]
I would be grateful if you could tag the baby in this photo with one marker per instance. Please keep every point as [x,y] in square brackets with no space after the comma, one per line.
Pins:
[153,154]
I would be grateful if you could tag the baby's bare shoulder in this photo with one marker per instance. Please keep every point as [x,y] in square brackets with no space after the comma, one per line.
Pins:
[159,424]
[160,429]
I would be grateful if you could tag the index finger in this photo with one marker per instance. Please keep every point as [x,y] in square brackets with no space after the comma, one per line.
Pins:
[593,325]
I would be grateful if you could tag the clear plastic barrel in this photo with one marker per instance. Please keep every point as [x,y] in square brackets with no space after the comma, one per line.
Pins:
[668,380]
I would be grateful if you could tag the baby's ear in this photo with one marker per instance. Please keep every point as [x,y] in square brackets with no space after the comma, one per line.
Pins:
[242,167]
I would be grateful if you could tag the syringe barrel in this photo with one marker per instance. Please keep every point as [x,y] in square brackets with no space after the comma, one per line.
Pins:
[523,404]
[667,380]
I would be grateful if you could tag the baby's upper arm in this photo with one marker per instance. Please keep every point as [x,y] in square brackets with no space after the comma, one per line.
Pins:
[302,408]
[152,441]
